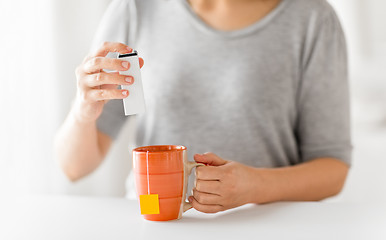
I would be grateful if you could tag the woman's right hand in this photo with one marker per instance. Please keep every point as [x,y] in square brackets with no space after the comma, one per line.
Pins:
[95,86]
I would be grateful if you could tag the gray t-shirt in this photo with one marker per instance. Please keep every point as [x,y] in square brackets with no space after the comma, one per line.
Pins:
[272,94]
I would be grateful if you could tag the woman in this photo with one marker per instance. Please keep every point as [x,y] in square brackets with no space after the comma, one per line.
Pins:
[260,82]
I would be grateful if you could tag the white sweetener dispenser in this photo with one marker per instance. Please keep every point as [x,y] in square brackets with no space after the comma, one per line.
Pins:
[135,102]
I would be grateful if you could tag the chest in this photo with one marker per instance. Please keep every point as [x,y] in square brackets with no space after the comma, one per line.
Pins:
[186,68]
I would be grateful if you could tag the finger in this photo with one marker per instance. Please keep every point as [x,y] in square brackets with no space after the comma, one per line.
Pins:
[206,198]
[206,208]
[106,94]
[111,47]
[97,64]
[208,173]
[209,158]
[141,62]
[109,86]
[103,78]
[212,187]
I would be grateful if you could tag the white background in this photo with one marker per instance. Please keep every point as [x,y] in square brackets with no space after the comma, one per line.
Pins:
[42,42]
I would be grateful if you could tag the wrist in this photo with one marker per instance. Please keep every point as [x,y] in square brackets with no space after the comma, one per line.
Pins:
[265,187]
[79,114]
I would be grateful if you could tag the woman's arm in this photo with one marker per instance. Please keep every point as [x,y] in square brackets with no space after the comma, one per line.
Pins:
[310,181]
[79,146]
[227,184]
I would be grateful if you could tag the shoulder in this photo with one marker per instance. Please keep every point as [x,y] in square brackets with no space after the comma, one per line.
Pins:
[312,17]
[150,4]
[131,9]
[126,5]
[319,6]
[313,9]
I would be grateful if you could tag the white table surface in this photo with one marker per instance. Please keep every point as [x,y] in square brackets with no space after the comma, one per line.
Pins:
[69,217]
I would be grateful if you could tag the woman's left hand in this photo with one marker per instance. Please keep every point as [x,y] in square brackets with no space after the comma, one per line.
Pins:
[222,184]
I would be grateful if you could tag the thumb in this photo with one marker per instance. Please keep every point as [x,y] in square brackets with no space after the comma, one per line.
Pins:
[209,159]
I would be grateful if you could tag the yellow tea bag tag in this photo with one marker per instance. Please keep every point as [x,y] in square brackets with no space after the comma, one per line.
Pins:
[149,204]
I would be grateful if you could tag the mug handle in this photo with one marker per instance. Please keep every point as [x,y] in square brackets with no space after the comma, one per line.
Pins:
[190,165]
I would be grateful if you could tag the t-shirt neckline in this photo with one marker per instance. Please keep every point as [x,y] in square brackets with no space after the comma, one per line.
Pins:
[203,26]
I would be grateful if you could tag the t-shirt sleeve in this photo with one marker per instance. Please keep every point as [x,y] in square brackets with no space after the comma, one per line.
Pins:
[114,27]
[323,127]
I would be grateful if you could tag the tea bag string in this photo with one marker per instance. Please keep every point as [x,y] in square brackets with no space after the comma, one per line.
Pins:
[147,172]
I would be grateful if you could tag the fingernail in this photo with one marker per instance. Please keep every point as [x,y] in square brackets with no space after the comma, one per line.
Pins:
[129,49]
[125,64]
[124,92]
[129,79]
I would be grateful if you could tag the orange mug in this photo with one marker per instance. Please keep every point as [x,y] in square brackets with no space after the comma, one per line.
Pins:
[163,170]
